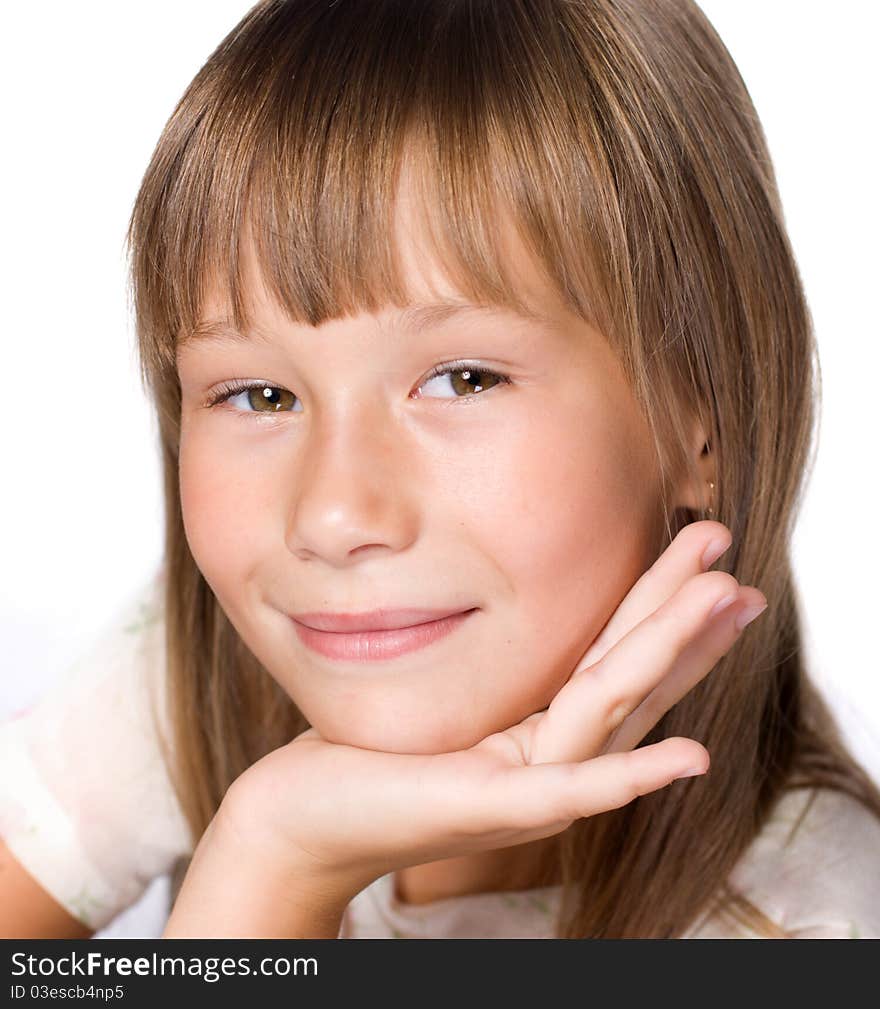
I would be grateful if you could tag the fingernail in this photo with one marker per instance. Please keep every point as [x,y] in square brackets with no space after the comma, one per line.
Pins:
[722,604]
[712,552]
[748,615]
[691,772]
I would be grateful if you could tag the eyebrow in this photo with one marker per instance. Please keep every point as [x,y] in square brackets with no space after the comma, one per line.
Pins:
[414,319]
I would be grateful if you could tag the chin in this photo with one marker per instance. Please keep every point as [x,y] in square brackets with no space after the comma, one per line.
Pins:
[402,737]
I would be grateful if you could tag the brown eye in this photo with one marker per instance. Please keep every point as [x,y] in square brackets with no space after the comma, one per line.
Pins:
[472,381]
[269,398]
[466,380]
[257,397]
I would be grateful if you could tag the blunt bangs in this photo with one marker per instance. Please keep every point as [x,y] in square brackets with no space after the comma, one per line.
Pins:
[304,153]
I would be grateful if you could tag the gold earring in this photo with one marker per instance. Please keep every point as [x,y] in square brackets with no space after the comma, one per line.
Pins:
[710,510]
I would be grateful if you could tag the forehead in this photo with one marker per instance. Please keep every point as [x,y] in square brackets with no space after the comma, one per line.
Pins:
[437,287]
[433,297]
[218,326]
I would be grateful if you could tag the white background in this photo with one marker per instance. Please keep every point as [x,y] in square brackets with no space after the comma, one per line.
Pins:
[87,88]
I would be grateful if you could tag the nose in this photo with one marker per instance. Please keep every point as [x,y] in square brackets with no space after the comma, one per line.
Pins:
[355,490]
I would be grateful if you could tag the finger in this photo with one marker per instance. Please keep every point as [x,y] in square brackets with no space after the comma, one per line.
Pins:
[527,798]
[594,703]
[695,662]
[681,560]
[440,806]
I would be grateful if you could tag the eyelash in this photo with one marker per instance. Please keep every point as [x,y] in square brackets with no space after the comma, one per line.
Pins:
[229,389]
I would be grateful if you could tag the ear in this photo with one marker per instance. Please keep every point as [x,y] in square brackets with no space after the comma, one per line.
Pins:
[698,498]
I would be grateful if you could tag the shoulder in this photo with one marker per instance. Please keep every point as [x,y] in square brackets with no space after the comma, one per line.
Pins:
[814,867]
[86,802]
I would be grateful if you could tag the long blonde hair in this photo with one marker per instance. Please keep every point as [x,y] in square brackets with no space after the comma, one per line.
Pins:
[621,140]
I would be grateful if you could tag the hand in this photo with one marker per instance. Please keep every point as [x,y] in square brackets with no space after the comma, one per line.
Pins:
[351,815]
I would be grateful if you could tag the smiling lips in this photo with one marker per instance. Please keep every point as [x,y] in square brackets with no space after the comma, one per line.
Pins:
[375,636]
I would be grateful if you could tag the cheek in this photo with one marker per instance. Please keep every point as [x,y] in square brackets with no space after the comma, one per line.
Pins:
[570,524]
[221,503]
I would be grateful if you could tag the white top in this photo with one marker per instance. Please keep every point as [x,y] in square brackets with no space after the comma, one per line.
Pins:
[87,807]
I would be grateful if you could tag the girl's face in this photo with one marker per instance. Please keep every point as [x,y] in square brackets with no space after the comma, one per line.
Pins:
[534,501]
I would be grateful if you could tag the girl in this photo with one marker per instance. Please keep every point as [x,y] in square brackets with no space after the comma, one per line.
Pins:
[475,339]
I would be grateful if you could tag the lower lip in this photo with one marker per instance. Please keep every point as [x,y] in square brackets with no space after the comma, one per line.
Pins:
[376,646]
